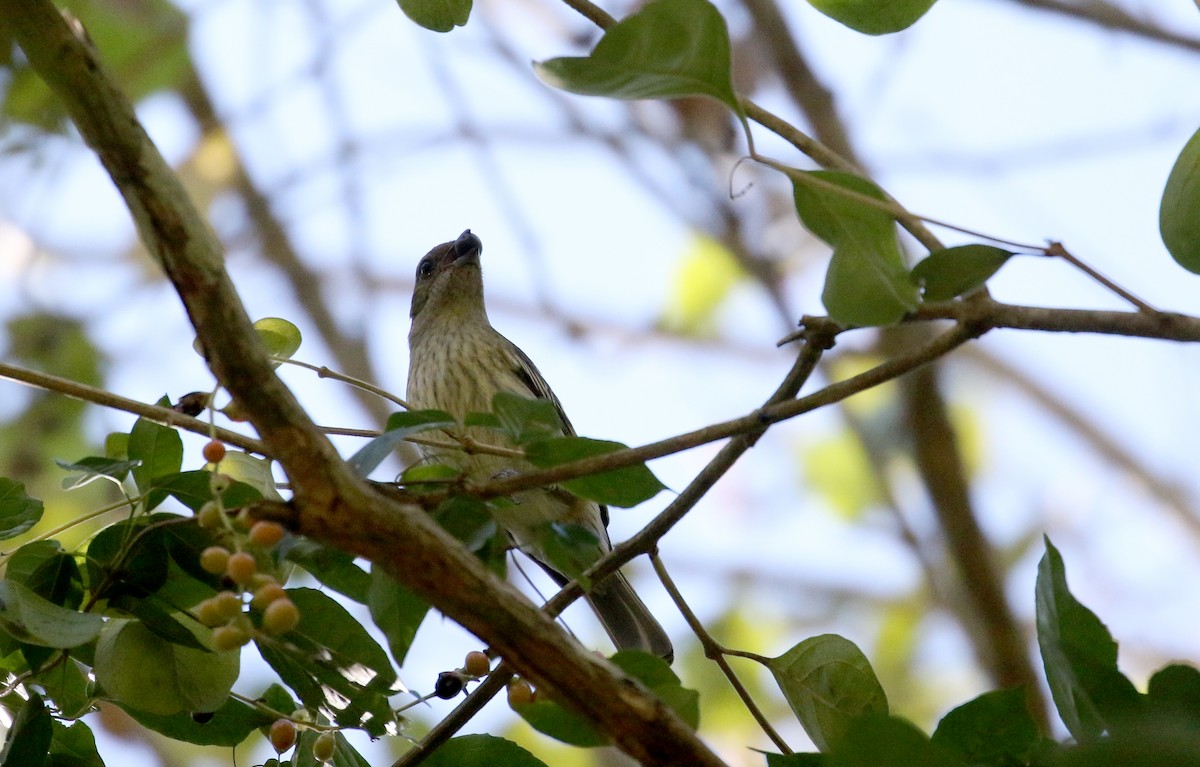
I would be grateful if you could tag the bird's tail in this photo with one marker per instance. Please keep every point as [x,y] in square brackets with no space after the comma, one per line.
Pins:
[625,617]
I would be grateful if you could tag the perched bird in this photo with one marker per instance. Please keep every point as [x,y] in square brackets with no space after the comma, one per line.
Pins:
[458,362]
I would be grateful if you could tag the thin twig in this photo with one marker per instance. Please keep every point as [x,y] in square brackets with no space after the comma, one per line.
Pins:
[1057,250]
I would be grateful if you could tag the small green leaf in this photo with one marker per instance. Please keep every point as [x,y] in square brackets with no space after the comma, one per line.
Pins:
[400,426]
[1179,212]
[796,760]
[467,519]
[828,682]
[872,740]
[526,419]
[253,471]
[121,560]
[570,549]
[18,512]
[333,665]
[872,17]
[47,571]
[74,746]
[553,720]
[481,751]
[667,49]
[867,283]
[332,567]
[1174,692]
[656,674]
[994,728]
[67,684]
[29,738]
[280,337]
[623,487]
[160,451]
[954,271]
[1080,657]
[93,468]
[428,473]
[229,726]
[45,623]
[396,611]
[437,15]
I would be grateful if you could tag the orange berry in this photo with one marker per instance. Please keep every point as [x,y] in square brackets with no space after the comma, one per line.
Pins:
[281,616]
[520,693]
[477,663]
[214,451]
[214,559]
[323,747]
[282,735]
[266,534]
[241,567]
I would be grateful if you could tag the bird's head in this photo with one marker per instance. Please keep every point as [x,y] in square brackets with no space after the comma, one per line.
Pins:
[449,282]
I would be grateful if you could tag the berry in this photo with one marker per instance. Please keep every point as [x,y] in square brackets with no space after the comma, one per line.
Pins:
[323,747]
[266,534]
[267,594]
[520,693]
[210,515]
[448,685]
[281,616]
[241,567]
[214,559]
[477,664]
[219,610]
[226,638]
[214,451]
[219,483]
[282,735]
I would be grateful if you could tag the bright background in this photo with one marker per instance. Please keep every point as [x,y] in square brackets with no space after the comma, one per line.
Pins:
[616,256]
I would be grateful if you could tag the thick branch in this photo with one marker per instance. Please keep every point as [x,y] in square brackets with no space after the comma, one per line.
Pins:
[334,506]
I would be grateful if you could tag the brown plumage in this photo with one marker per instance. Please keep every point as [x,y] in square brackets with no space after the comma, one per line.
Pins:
[458,362]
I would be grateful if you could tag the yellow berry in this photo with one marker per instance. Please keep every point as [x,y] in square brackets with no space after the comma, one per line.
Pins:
[226,638]
[214,559]
[520,693]
[266,534]
[283,735]
[209,515]
[281,616]
[267,594]
[241,567]
[323,747]
[477,664]
[214,451]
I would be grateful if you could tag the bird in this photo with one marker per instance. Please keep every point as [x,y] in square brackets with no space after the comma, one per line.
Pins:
[457,363]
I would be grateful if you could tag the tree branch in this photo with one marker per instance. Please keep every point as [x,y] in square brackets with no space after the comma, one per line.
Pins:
[333,505]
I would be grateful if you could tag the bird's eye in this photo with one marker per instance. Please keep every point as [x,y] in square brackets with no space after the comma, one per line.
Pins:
[425,268]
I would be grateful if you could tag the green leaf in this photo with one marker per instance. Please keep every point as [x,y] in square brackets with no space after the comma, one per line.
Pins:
[280,337]
[707,274]
[400,426]
[872,740]
[229,725]
[526,419]
[872,17]
[570,549]
[667,49]
[867,283]
[796,760]
[29,738]
[146,672]
[396,610]
[1174,692]
[18,512]
[45,624]
[47,571]
[333,665]
[121,560]
[94,467]
[160,450]
[623,487]
[1179,212]
[73,746]
[332,567]
[553,720]
[954,271]
[828,682]
[481,751]
[656,674]
[251,470]
[437,15]
[194,489]
[66,684]
[1080,657]
[994,728]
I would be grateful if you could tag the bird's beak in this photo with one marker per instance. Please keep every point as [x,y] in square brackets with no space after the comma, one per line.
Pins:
[467,248]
